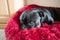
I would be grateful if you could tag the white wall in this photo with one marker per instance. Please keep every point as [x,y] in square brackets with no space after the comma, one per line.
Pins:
[54,3]
[15,5]
[18,4]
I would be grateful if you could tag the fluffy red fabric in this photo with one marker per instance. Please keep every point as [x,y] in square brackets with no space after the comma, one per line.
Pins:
[46,32]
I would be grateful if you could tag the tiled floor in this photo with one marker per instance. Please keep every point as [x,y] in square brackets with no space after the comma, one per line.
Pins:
[2,34]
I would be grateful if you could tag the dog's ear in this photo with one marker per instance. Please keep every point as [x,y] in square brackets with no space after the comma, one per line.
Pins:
[22,19]
[23,15]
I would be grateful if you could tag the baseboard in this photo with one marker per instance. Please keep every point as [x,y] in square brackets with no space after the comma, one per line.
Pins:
[3,21]
[2,26]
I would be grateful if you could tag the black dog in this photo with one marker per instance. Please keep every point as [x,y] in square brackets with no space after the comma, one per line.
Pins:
[35,17]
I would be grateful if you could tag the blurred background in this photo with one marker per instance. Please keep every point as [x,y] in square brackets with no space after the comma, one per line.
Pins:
[9,7]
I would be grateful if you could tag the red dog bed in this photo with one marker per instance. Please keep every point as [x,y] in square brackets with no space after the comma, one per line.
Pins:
[46,32]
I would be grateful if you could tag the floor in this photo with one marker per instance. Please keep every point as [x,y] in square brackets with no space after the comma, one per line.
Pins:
[2,34]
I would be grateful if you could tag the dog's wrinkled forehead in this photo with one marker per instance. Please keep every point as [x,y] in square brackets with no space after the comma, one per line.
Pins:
[33,13]
[32,16]
[37,11]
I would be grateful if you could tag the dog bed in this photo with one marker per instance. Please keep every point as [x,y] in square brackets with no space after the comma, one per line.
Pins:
[46,32]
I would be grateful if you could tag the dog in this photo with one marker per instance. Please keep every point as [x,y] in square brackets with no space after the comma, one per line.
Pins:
[35,17]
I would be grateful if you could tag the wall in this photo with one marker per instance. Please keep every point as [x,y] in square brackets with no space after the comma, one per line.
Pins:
[18,4]
[54,3]
[14,5]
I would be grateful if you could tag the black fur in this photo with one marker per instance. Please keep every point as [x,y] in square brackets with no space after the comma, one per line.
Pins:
[55,15]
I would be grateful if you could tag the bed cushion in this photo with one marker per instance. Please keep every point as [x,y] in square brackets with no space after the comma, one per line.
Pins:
[46,32]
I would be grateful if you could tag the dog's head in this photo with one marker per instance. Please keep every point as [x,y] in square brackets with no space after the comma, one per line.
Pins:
[35,17]
[29,19]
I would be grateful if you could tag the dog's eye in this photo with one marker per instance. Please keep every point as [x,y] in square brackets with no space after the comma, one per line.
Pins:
[41,14]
